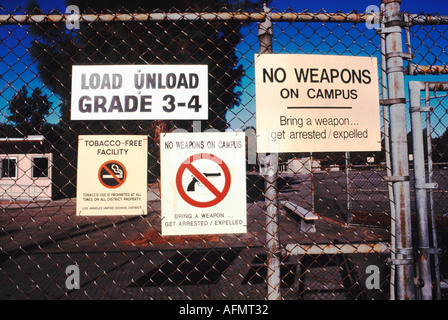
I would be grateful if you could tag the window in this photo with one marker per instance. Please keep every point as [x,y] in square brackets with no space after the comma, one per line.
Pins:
[40,167]
[8,168]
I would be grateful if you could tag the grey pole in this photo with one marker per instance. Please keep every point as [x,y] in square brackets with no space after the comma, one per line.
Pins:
[269,169]
[388,159]
[415,89]
[348,218]
[431,195]
[399,149]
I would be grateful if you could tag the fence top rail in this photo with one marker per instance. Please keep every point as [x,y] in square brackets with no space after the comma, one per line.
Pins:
[432,85]
[185,16]
[427,19]
[305,16]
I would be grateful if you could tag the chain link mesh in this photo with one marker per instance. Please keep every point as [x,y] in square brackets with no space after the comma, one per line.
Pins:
[127,257]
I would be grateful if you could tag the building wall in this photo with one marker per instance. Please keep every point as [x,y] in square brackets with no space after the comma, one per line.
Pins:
[29,183]
[302,165]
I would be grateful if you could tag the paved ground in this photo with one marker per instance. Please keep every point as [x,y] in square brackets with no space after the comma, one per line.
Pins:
[127,258]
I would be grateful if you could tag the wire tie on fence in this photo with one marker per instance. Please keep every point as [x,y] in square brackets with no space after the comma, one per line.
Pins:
[399,261]
[388,102]
[404,55]
[405,251]
[421,109]
[402,261]
[396,178]
[432,185]
[428,250]
[398,23]
[388,30]
[395,69]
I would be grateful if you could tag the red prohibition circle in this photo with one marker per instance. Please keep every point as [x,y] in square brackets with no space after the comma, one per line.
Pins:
[188,165]
[114,181]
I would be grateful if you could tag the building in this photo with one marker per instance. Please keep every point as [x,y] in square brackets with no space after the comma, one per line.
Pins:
[300,165]
[25,169]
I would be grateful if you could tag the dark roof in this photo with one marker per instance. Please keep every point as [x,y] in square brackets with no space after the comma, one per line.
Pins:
[30,144]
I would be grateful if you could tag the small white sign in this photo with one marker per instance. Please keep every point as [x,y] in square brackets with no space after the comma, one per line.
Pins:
[111,178]
[203,183]
[139,92]
[317,103]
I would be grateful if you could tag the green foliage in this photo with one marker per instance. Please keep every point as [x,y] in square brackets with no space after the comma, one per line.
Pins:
[28,111]
[163,42]
[56,49]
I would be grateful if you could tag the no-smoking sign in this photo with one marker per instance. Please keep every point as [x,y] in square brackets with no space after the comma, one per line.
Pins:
[203,183]
[111,176]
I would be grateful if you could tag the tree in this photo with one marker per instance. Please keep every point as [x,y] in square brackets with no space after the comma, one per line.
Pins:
[439,148]
[19,108]
[164,42]
[28,112]
[56,49]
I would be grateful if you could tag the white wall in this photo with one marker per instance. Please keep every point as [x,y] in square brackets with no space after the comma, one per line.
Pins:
[302,165]
[23,186]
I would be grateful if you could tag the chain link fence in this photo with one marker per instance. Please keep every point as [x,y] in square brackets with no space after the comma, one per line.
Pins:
[352,246]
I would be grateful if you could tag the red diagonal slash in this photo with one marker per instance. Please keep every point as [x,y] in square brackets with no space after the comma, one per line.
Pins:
[219,195]
[111,173]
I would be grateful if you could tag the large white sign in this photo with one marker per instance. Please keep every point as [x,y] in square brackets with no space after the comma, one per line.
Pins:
[307,103]
[111,178]
[139,92]
[203,183]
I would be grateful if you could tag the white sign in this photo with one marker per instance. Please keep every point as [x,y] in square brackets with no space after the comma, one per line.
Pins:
[111,178]
[203,183]
[139,92]
[311,103]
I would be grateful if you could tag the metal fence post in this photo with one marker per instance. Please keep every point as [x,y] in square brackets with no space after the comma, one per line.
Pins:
[269,169]
[424,273]
[388,159]
[348,217]
[429,150]
[399,150]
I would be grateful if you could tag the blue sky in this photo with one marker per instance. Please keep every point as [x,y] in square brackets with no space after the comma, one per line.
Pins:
[20,72]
